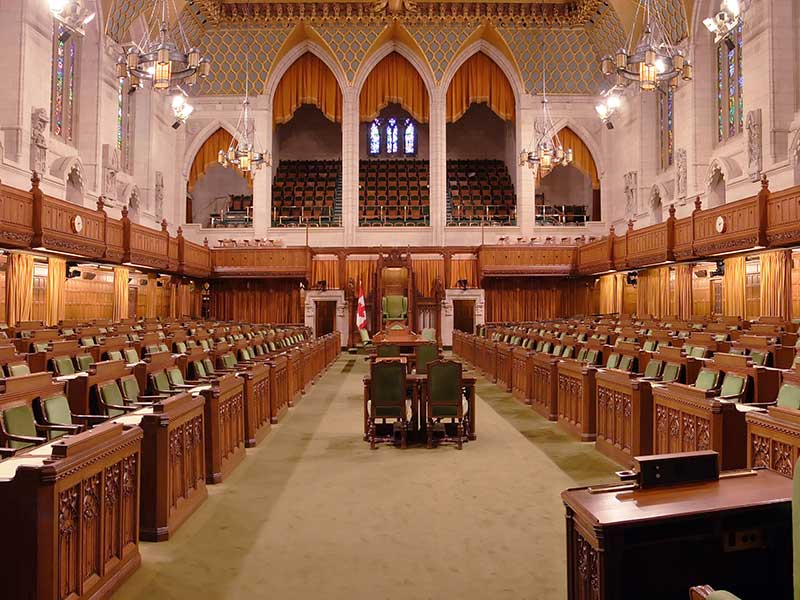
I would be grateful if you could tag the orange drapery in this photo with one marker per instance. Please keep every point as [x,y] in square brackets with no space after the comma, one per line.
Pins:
[363,271]
[120,310]
[273,301]
[394,79]
[207,156]
[480,80]
[426,270]
[19,288]
[652,293]
[56,290]
[611,293]
[684,292]
[307,81]
[326,269]
[463,268]
[733,287]
[776,284]
[524,299]
[581,156]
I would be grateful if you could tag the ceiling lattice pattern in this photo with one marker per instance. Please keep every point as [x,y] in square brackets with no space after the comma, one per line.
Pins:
[674,18]
[606,33]
[350,44]
[122,15]
[228,48]
[439,43]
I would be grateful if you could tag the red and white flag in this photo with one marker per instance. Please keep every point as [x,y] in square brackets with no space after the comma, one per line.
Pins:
[361,311]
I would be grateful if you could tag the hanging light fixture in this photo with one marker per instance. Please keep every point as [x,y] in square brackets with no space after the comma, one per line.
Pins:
[161,60]
[242,151]
[72,14]
[653,59]
[180,108]
[725,21]
[609,103]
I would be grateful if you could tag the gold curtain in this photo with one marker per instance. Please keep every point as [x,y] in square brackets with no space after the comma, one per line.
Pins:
[529,299]
[480,80]
[56,290]
[684,291]
[652,293]
[463,268]
[394,79]
[776,284]
[207,156]
[582,157]
[151,297]
[173,300]
[362,270]
[307,81]
[611,291]
[326,269]
[733,287]
[273,301]
[19,288]
[426,270]
[120,293]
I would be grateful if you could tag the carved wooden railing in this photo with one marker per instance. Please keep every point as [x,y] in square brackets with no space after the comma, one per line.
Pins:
[511,261]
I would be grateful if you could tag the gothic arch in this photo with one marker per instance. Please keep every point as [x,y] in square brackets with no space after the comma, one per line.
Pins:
[422,67]
[728,168]
[200,139]
[279,70]
[64,167]
[587,139]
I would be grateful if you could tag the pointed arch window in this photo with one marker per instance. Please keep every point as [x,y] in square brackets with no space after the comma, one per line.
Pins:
[391,136]
[409,138]
[730,86]
[63,98]
[374,138]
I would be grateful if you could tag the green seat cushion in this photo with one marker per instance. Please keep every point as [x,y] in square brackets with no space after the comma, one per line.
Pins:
[613,361]
[649,346]
[567,352]
[698,352]
[395,307]
[112,396]
[180,347]
[228,360]
[653,369]
[19,421]
[672,372]
[114,355]
[84,361]
[56,411]
[204,344]
[557,350]
[732,385]
[592,356]
[199,369]
[63,365]
[706,379]
[789,396]
[18,369]
[87,342]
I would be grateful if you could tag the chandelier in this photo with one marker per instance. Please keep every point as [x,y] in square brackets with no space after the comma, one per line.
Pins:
[548,152]
[725,21]
[242,152]
[653,59]
[71,14]
[160,59]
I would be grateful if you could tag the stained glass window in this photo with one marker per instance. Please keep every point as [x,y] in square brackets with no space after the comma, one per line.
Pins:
[391,136]
[66,55]
[409,138]
[666,113]
[124,125]
[375,137]
[730,85]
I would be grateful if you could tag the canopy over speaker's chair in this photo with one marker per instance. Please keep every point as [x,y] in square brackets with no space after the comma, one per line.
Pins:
[395,307]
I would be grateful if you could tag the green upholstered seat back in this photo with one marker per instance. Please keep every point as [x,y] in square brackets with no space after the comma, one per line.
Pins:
[228,360]
[582,354]
[204,344]
[163,348]
[395,307]
[653,369]
[130,387]
[87,342]
[789,396]
[56,411]
[388,389]
[131,355]
[706,379]
[429,333]
[672,372]
[114,355]
[444,385]
[539,345]
[19,420]
[699,352]
[732,385]
[526,343]
[112,396]
[18,368]
[175,377]
[199,369]
[567,352]
[160,382]
[687,348]
[180,347]
[759,358]
[272,347]
[649,346]
[557,350]
[626,363]
[258,349]
[84,361]
[547,347]
[152,349]
[388,350]
[244,354]
[737,351]
[63,365]
[40,346]
[613,361]
[208,366]
[67,332]
[425,354]
[592,356]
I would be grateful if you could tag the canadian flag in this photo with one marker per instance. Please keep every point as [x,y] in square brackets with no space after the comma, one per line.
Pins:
[361,311]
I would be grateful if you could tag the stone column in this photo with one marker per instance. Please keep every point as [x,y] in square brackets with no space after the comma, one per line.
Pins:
[262,179]
[350,153]
[438,167]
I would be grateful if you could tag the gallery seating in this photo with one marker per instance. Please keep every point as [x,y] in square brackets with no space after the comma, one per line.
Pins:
[304,192]
[393,193]
[480,191]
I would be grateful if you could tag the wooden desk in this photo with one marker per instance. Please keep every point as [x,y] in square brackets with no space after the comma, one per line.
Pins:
[224,427]
[624,415]
[69,513]
[657,543]
[577,409]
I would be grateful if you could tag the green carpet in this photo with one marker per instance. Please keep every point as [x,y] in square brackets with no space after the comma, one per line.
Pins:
[312,512]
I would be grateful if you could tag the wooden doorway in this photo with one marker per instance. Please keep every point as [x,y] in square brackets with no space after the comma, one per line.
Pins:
[464,315]
[325,317]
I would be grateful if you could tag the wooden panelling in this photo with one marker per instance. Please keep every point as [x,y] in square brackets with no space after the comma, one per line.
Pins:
[783,216]
[85,299]
[257,301]
[528,299]
[510,261]
[619,251]
[194,259]
[743,227]
[683,239]
[594,257]
[262,262]
[146,246]
[701,296]
[650,245]
[16,217]
[67,227]
[115,240]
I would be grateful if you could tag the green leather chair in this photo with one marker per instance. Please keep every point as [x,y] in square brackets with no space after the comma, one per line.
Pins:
[567,352]
[63,365]
[425,354]
[131,356]
[582,355]
[152,349]
[18,368]
[87,342]
[699,352]
[613,361]
[649,346]
[626,363]
[228,360]
[18,428]
[159,383]
[176,380]
[83,361]
[671,373]
[733,388]
[653,369]
[429,334]
[387,401]
[789,396]
[388,350]
[760,359]
[132,394]
[55,411]
[707,379]
[205,345]
[180,347]
[209,367]
[395,307]
[445,402]
[112,403]
[114,355]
